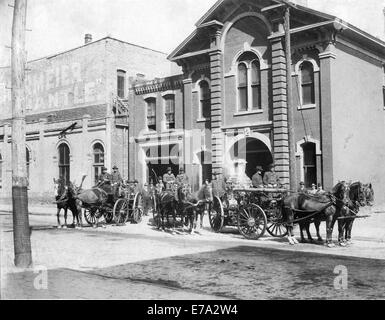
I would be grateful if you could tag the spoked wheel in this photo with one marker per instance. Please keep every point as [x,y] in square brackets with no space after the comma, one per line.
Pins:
[216,215]
[275,226]
[137,208]
[90,214]
[252,222]
[120,211]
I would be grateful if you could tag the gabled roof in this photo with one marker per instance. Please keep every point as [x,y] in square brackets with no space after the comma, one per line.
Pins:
[210,16]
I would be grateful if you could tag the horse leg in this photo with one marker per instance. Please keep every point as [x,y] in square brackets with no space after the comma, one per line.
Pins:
[329,230]
[317,223]
[348,231]
[65,216]
[58,217]
[289,218]
[301,227]
[307,228]
[341,228]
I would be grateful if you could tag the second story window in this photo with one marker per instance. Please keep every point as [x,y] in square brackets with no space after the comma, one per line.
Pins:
[242,87]
[151,113]
[121,79]
[205,99]
[307,83]
[249,82]
[256,84]
[169,101]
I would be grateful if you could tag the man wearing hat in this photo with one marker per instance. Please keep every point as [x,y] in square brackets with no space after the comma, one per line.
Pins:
[104,180]
[270,178]
[256,179]
[182,178]
[116,177]
[168,178]
[313,189]
[301,188]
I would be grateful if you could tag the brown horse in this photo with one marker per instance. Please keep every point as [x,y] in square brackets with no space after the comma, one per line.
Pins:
[195,204]
[65,196]
[325,207]
[360,195]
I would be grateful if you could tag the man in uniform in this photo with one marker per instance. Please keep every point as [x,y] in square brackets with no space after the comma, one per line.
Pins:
[256,179]
[104,180]
[301,187]
[270,178]
[116,177]
[168,178]
[313,189]
[182,178]
[116,180]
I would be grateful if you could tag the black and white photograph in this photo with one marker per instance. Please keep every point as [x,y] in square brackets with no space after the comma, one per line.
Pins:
[202,151]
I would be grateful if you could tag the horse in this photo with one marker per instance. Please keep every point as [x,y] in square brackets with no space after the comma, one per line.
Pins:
[369,194]
[65,196]
[166,202]
[323,207]
[360,195]
[93,200]
[197,204]
[60,191]
[74,204]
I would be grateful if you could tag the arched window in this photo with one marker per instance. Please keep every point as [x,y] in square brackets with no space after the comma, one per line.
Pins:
[98,152]
[256,84]
[27,161]
[307,83]
[242,87]
[64,162]
[151,113]
[309,163]
[169,101]
[249,82]
[204,99]
[1,171]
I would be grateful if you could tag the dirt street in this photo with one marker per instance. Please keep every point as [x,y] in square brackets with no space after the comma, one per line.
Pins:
[140,262]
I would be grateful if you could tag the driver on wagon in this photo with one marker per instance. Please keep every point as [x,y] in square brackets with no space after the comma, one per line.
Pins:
[271,179]
[168,178]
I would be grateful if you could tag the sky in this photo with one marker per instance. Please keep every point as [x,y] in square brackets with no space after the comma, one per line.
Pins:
[59,25]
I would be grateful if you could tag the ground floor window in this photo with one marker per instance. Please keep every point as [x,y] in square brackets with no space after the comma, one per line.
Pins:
[98,161]
[64,162]
[309,164]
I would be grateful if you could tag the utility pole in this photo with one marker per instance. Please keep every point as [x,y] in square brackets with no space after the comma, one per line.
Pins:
[21,230]
[289,94]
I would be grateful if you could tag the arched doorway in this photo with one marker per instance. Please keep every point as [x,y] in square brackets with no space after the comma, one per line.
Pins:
[252,151]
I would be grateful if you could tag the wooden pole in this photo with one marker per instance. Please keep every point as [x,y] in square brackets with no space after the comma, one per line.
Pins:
[289,93]
[21,230]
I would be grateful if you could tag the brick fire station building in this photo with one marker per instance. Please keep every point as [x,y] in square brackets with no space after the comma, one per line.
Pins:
[223,111]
